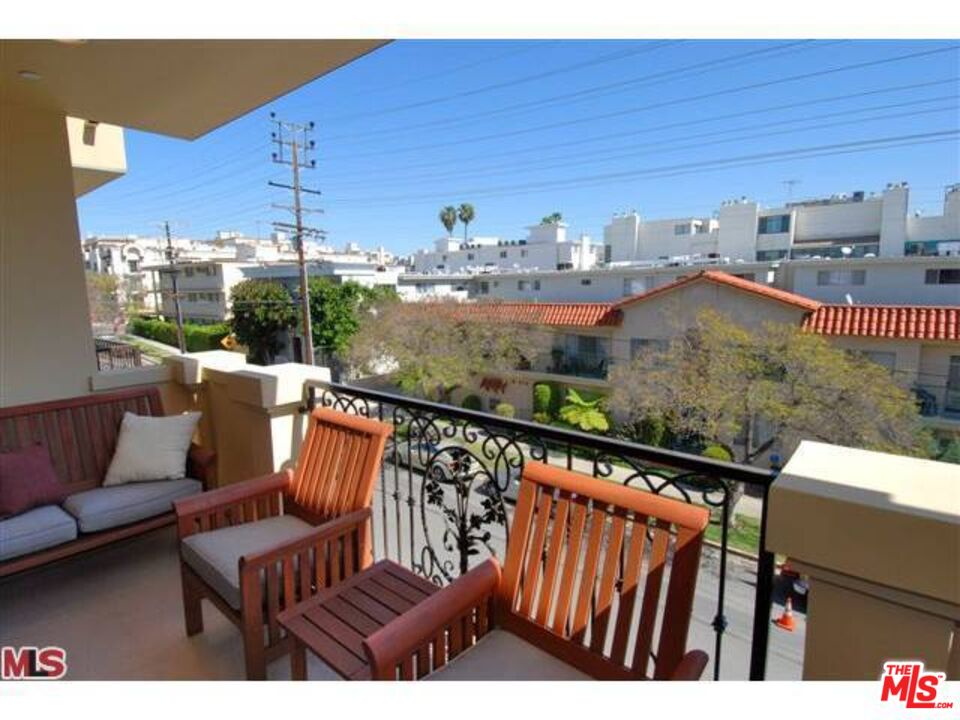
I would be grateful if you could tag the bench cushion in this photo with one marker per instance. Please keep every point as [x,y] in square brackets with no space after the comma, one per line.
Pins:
[35,530]
[501,655]
[215,555]
[107,507]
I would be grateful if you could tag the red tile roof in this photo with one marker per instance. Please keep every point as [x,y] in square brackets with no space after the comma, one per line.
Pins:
[904,322]
[557,314]
[721,278]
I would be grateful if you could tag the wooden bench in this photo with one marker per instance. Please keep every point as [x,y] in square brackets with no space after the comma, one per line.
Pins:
[81,434]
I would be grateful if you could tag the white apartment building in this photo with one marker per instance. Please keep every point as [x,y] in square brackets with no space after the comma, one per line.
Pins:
[128,258]
[844,225]
[546,247]
[206,288]
[916,280]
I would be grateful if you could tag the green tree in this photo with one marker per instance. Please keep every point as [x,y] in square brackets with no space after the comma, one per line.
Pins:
[554,218]
[584,413]
[262,309]
[542,399]
[431,349]
[466,214]
[719,380]
[103,296]
[336,309]
[448,218]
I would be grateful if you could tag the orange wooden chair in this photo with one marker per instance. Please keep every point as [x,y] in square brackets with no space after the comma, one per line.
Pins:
[578,596]
[257,547]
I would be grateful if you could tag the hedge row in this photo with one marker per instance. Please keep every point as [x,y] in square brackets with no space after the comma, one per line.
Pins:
[197,337]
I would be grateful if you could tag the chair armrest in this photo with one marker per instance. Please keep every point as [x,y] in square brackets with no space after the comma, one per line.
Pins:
[325,532]
[396,641]
[202,465]
[691,666]
[205,509]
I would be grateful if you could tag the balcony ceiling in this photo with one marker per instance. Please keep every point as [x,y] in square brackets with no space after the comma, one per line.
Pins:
[181,88]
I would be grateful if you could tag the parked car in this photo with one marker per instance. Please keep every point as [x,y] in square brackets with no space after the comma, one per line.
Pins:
[444,461]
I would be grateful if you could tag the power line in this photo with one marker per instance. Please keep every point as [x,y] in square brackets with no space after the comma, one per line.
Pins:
[659,105]
[600,60]
[710,119]
[589,93]
[669,170]
[699,120]
[677,144]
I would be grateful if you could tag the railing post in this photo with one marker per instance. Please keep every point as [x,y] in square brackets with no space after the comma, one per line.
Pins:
[763,599]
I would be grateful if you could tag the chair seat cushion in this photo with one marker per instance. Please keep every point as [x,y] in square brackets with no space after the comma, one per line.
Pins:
[501,655]
[215,555]
[107,507]
[35,530]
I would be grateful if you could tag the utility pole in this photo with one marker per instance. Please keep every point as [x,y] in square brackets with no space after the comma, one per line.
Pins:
[790,185]
[293,148]
[176,288]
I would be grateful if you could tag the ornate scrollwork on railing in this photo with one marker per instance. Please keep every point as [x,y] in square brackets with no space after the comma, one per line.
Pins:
[344,403]
[463,468]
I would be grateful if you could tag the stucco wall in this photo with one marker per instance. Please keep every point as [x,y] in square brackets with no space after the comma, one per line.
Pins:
[46,346]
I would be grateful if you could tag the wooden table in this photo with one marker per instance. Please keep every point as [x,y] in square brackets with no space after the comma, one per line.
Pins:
[334,622]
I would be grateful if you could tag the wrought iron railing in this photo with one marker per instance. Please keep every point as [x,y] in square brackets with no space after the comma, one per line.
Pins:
[112,355]
[449,475]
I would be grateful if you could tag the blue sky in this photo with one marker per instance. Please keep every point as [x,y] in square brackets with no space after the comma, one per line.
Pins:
[588,128]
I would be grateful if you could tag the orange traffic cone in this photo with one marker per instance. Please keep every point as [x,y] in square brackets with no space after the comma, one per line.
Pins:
[786,621]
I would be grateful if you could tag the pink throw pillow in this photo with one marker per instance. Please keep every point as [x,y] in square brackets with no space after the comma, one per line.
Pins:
[28,480]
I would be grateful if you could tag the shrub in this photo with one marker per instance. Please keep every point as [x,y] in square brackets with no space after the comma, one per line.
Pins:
[717,452]
[505,410]
[472,402]
[542,397]
[542,418]
[197,338]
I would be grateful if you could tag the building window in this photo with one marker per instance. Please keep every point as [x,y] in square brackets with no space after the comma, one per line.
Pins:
[503,253]
[523,285]
[484,288]
[133,265]
[681,229]
[773,224]
[944,276]
[886,359]
[768,255]
[523,253]
[645,345]
[841,277]
[952,398]
[633,286]
[607,253]
[469,256]
[443,257]
[536,284]
[586,281]
[188,272]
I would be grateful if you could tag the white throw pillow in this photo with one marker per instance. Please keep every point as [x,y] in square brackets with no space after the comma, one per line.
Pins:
[151,448]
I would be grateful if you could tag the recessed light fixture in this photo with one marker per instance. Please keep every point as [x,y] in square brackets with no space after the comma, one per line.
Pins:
[29,75]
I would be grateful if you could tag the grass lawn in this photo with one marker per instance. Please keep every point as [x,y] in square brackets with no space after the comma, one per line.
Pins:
[744,534]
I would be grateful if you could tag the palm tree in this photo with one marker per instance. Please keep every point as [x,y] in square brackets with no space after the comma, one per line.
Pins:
[552,219]
[448,217]
[466,213]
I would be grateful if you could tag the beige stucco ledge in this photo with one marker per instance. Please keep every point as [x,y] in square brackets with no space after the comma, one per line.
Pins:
[888,519]
[879,538]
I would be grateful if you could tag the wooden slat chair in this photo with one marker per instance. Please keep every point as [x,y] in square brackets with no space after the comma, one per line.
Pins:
[257,547]
[578,596]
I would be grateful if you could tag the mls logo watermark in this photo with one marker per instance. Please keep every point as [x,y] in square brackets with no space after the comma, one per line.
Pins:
[33,663]
[905,681]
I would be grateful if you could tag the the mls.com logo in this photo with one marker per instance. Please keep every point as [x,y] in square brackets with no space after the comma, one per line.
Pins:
[906,682]
[32,663]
